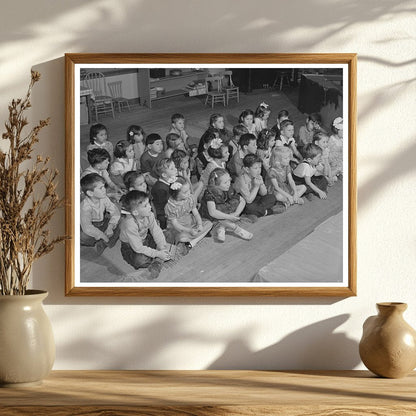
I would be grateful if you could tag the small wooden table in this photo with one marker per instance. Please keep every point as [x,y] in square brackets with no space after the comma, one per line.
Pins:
[208,393]
[89,95]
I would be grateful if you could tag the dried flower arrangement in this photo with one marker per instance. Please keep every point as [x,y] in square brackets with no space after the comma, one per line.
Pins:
[28,200]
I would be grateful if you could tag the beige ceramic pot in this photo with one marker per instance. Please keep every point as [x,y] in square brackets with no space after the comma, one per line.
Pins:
[388,344]
[27,347]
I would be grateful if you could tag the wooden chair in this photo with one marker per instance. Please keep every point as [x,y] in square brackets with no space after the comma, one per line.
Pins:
[231,90]
[115,91]
[215,92]
[282,75]
[101,102]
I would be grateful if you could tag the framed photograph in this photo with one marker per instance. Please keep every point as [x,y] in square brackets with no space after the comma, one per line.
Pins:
[211,174]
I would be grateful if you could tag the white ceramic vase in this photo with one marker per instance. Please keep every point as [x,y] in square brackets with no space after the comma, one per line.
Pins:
[27,346]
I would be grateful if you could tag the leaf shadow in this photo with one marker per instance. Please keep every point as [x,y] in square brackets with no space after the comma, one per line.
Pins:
[316,346]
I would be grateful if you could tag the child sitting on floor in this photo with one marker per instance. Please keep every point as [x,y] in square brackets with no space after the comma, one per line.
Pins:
[265,143]
[279,180]
[218,152]
[143,244]
[152,154]
[223,206]
[123,161]
[321,140]
[99,139]
[167,174]
[217,126]
[335,145]
[312,126]
[99,160]
[99,217]
[261,117]
[203,158]
[135,181]
[135,135]
[246,118]
[238,131]
[251,187]
[216,121]
[178,127]
[181,161]
[183,218]
[281,116]
[248,144]
[287,130]
[173,141]
[306,173]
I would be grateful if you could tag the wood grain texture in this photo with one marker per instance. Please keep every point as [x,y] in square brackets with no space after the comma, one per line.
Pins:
[213,291]
[248,58]
[325,58]
[210,411]
[69,173]
[213,393]
[352,186]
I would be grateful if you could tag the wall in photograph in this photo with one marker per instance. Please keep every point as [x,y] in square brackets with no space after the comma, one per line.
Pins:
[224,333]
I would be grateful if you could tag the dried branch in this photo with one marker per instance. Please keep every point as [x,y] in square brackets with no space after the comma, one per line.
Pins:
[23,217]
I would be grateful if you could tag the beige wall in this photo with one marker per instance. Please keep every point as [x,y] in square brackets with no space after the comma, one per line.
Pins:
[193,333]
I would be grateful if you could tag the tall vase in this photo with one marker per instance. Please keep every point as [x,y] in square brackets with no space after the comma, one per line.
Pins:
[27,347]
[388,345]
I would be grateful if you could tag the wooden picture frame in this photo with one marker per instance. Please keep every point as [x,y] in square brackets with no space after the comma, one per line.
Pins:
[292,66]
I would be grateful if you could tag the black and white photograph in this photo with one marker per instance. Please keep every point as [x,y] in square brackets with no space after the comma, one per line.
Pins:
[212,175]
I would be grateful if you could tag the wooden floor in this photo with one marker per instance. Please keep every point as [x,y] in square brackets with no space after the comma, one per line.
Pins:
[235,260]
[321,248]
[157,119]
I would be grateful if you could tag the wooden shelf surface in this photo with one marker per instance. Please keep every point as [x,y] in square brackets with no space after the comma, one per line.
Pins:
[184,75]
[170,93]
[204,393]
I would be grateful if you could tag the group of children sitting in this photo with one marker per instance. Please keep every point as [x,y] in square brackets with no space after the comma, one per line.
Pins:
[151,194]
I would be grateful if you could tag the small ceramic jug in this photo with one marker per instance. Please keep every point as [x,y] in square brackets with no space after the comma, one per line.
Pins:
[388,344]
[27,346]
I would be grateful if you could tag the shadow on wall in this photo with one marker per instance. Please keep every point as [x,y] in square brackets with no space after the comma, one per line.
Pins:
[49,100]
[270,20]
[398,165]
[314,347]
[152,345]
[147,346]
[48,96]
[100,25]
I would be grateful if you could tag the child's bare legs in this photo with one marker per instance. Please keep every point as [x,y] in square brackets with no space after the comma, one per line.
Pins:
[193,240]
[197,189]
[242,233]
[220,230]
[206,228]
[300,190]
[281,198]
[232,226]
[331,180]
